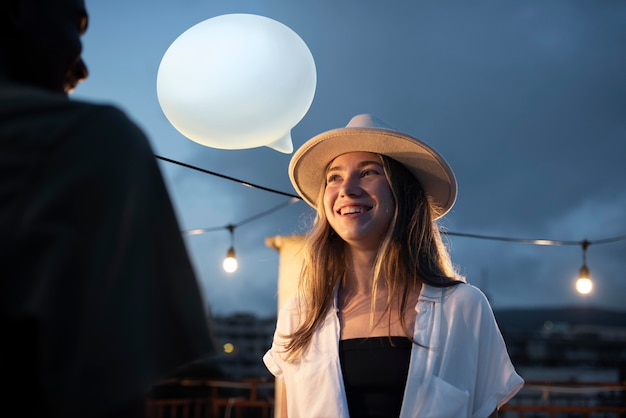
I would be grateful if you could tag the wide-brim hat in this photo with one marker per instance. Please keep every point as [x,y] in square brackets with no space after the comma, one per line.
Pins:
[370,134]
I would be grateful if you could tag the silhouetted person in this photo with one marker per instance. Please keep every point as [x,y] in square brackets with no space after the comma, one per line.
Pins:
[98,295]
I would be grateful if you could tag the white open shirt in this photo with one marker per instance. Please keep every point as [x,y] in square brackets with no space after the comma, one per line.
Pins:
[465,371]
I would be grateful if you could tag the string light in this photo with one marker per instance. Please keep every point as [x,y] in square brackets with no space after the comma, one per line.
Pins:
[584,284]
[230,263]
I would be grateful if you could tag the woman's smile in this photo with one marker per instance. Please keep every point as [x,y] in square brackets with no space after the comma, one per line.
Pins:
[353,209]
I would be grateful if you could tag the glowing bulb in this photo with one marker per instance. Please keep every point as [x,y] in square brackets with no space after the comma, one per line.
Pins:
[230,262]
[584,285]
[229,348]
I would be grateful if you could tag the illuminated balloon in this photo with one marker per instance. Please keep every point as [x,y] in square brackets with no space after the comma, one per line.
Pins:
[237,81]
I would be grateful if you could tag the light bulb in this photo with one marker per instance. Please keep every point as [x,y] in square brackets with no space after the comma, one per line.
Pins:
[584,272]
[230,262]
[584,285]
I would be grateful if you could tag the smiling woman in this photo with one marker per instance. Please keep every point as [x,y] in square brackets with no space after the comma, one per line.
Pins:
[383,326]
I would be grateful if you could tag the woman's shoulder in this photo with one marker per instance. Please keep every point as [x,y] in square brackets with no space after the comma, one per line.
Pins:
[466,291]
[462,295]
[460,291]
[465,306]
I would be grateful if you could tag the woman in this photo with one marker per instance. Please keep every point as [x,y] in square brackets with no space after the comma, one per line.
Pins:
[382,325]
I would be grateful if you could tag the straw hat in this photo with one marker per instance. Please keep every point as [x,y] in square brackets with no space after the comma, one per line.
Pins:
[370,134]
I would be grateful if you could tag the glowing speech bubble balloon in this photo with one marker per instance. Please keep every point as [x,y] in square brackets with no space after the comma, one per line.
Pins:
[237,81]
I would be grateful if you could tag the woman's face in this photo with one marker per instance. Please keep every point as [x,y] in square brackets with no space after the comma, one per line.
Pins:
[358,202]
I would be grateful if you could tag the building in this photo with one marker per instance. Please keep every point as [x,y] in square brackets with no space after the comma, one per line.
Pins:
[572,359]
[244,338]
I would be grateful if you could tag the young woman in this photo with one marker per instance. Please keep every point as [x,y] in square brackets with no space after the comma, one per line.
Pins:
[382,325]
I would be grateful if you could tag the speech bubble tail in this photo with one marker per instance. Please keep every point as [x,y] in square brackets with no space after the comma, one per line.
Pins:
[283,144]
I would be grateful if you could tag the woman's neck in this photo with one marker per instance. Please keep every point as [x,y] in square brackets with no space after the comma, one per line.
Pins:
[359,271]
[358,317]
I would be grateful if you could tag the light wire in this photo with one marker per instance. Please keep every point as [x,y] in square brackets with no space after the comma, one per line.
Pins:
[295,198]
[231,227]
[584,243]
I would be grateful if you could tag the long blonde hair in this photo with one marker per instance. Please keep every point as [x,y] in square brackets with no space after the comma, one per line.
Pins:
[412,252]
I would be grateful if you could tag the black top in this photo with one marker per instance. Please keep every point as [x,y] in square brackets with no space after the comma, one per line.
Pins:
[374,374]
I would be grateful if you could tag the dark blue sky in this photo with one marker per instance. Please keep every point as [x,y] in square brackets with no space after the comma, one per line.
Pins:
[525,99]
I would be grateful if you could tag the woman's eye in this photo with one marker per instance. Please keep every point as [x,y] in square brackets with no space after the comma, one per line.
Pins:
[369,172]
[332,178]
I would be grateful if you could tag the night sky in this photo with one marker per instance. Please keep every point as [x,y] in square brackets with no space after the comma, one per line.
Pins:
[526,100]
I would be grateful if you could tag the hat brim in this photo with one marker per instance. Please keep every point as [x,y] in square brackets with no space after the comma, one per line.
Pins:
[306,169]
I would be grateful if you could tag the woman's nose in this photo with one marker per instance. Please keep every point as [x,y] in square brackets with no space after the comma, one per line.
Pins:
[350,187]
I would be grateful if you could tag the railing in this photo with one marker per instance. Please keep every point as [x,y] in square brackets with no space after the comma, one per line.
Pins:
[178,408]
[212,398]
[253,398]
[539,399]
